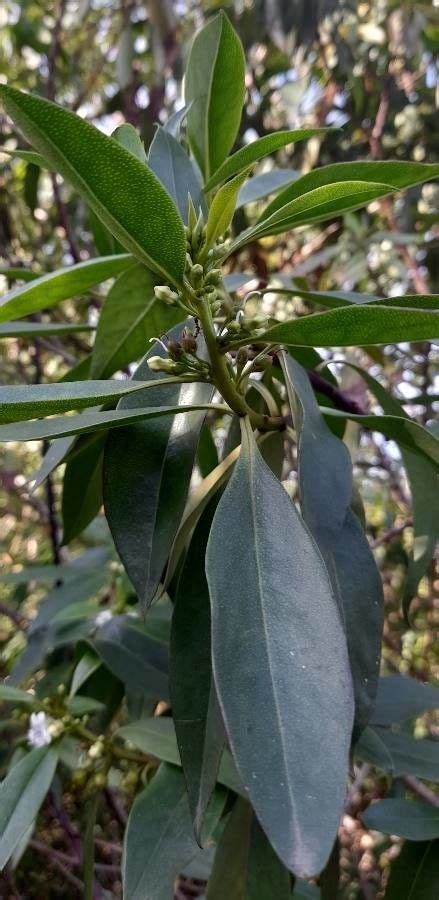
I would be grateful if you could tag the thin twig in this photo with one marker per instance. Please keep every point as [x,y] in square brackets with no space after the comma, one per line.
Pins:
[390,534]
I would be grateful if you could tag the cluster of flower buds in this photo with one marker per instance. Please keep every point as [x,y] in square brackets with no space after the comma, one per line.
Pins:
[182,358]
[242,325]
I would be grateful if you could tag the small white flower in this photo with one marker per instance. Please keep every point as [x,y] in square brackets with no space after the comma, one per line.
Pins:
[38,732]
[103,617]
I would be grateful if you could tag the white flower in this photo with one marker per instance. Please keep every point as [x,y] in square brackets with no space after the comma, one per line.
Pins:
[103,617]
[38,733]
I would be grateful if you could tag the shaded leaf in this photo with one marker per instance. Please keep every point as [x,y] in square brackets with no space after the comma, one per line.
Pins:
[21,795]
[176,171]
[41,329]
[261,186]
[130,654]
[82,489]
[406,818]
[400,698]
[414,874]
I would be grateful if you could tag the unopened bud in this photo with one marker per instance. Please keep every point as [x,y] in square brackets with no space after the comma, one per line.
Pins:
[214,277]
[96,750]
[164,293]
[55,729]
[234,326]
[196,275]
[158,364]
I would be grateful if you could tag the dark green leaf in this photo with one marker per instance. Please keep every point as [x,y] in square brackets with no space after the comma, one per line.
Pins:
[10,694]
[325,485]
[411,756]
[18,273]
[404,431]
[214,87]
[414,874]
[144,505]
[258,149]
[277,634]
[21,795]
[120,189]
[400,698]
[161,810]
[194,704]
[176,171]
[82,489]
[28,156]
[40,329]
[130,317]
[406,818]
[137,660]
[46,290]
[356,326]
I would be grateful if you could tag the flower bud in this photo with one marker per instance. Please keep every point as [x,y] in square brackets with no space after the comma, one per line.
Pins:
[158,364]
[96,750]
[196,275]
[164,293]
[55,729]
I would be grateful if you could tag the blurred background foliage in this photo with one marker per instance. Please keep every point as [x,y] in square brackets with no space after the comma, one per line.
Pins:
[369,68]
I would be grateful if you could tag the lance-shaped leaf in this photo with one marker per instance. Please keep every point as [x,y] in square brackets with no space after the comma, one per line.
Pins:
[120,189]
[356,326]
[400,698]
[222,209]
[406,818]
[214,86]
[424,485]
[28,156]
[40,329]
[19,402]
[143,504]
[176,171]
[261,186]
[258,149]
[130,317]
[194,704]
[414,874]
[61,426]
[411,756]
[47,290]
[280,663]
[334,299]
[161,811]
[21,795]
[127,136]
[18,273]
[399,174]
[140,662]
[325,484]
[82,488]
[245,866]
[404,431]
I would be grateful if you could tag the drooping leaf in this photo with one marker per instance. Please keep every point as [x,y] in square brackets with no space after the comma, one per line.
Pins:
[176,171]
[325,485]
[356,326]
[414,874]
[130,317]
[127,136]
[161,809]
[245,866]
[258,149]
[120,189]
[407,818]
[277,633]
[21,795]
[222,209]
[214,86]
[404,431]
[46,290]
[400,698]
[82,489]
[194,704]
[144,505]
[138,661]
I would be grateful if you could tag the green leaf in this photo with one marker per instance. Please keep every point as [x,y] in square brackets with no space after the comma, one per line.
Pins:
[10,694]
[424,487]
[28,156]
[411,756]
[214,86]
[120,189]
[18,273]
[127,136]
[87,423]
[317,205]
[197,719]
[130,317]
[400,698]
[399,174]
[277,633]
[82,489]
[21,795]
[325,487]
[261,186]
[88,664]
[405,432]
[41,329]
[356,326]
[176,171]
[406,818]
[258,149]
[20,402]
[245,866]
[144,505]
[414,874]
[161,812]
[156,737]
[222,209]
[174,123]
[130,654]
[46,290]
[334,299]
[373,750]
